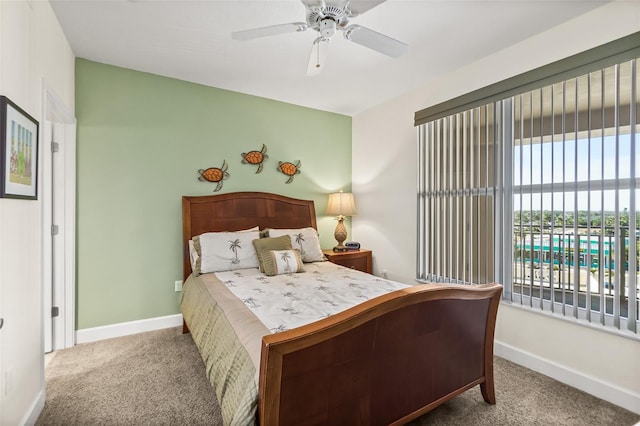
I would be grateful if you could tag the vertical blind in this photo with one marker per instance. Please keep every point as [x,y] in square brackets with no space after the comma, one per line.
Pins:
[457,190]
[538,191]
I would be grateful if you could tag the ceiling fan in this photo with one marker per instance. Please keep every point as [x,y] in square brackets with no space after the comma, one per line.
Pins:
[326,17]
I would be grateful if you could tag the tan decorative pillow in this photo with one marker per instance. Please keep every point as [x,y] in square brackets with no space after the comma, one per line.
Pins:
[193,257]
[277,262]
[264,245]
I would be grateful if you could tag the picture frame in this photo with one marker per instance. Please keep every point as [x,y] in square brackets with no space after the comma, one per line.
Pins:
[18,152]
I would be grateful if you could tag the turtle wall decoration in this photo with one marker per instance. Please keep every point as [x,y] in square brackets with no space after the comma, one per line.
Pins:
[289,169]
[214,175]
[255,157]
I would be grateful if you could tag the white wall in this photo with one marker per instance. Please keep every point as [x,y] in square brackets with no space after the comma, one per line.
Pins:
[32,48]
[384,168]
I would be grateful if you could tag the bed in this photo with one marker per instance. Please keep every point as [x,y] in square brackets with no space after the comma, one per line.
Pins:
[386,360]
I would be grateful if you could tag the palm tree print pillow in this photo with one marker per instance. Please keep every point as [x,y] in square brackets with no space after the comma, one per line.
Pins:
[225,251]
[264,245]
[278,262]
[304,239]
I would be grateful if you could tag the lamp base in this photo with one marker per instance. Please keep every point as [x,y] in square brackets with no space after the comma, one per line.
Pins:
[340,235]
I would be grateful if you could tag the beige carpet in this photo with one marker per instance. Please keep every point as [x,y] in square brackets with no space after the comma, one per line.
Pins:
[158,378]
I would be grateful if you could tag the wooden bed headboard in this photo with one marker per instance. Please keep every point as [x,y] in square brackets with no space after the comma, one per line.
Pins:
[241,210]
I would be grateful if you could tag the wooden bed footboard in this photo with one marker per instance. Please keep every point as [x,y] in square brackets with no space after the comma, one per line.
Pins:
[386,361]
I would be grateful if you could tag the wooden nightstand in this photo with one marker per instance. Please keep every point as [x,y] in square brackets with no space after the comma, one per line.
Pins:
[355,259]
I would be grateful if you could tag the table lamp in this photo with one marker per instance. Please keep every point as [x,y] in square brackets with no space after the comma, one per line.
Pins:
[340,204]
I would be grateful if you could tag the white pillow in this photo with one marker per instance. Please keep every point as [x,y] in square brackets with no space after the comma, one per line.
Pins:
[225,251]
[304,239]
[194,254]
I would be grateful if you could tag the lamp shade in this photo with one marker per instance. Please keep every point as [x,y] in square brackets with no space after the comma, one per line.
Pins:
[341,204]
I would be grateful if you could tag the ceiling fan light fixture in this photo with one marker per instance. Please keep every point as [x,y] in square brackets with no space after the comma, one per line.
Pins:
[327,27]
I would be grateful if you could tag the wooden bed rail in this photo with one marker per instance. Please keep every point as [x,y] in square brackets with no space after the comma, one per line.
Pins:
[386,361]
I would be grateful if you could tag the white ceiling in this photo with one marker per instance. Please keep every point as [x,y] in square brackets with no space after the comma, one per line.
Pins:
[191,40]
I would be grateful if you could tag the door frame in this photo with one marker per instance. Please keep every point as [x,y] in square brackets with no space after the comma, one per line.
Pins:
[64,294]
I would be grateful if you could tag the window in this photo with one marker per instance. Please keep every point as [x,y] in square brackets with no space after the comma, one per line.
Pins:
[537,190]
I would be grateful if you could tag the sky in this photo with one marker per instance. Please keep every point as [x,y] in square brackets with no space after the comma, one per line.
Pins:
[555,162]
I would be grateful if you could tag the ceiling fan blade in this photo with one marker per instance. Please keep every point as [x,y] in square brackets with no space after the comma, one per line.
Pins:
[358,7]
[318,57]
[376,41]
[269,31]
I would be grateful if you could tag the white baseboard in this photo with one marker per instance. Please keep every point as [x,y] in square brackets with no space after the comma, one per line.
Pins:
[603,390]
[31,416]
[94,334]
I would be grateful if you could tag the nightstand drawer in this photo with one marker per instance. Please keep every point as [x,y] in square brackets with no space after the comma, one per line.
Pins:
[360,260]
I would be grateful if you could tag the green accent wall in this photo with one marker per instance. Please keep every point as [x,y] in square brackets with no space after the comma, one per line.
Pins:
[141,140]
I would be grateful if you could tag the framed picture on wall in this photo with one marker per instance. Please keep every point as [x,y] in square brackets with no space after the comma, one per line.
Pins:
[18,152]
